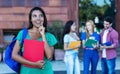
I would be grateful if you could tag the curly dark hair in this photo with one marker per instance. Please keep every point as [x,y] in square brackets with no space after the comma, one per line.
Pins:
[109,19]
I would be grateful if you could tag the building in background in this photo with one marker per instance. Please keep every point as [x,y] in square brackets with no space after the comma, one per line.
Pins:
[117,16]
[14,14]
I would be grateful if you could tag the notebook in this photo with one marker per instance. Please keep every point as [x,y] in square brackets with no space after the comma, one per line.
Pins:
[74,44]
[107,43]
[33,50]
[89,42]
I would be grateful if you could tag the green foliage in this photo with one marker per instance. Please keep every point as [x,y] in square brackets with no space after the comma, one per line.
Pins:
[110,11]
[57,29]
[1,49]
[88,9]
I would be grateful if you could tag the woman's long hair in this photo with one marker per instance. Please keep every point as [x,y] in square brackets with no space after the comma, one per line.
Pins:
[67,28]
[93,26]
[30,17]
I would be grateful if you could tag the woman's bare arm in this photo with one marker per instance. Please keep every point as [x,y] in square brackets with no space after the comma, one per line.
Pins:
[21,60]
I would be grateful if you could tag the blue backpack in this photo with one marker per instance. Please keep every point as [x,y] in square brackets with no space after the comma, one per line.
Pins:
[14,65]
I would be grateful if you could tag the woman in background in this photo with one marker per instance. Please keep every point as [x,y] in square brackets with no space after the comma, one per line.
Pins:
[71,54]
[90,52]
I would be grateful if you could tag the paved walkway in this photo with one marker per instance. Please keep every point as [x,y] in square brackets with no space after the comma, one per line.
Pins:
[58,66]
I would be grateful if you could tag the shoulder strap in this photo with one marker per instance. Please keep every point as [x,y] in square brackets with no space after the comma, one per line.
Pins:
[25,31]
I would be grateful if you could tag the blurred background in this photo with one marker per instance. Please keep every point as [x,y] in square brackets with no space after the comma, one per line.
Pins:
[14,16]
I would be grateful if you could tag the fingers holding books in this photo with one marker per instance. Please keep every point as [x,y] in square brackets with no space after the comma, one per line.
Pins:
[78,46]
[74,44]
[102,47]
[94,45]
[40,64]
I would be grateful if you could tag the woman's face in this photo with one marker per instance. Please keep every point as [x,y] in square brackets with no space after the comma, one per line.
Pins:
[37,18]
[73,27]
[88,26]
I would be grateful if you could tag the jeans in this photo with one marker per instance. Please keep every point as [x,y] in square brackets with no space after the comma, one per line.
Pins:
[90,56]
[72,63]
[108,66]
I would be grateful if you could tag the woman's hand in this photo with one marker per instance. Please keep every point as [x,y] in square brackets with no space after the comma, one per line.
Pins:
[40,64]
[95,46]
[78,46]
[42,30]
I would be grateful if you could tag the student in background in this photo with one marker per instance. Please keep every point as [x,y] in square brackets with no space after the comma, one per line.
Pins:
[71,54]
[109,44]
[90,49]
[37,30]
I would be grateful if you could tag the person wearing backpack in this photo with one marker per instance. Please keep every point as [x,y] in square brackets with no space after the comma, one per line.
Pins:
[37,30]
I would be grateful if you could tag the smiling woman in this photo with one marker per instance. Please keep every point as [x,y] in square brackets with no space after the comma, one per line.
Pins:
[14,13]
[37,30]
[71,53]
[37,19]
[90,43]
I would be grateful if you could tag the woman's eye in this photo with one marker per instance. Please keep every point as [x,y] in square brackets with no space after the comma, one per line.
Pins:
[41,15]
[34,15]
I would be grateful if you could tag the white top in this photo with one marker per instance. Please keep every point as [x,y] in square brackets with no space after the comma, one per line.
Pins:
[104,41]
[68,39]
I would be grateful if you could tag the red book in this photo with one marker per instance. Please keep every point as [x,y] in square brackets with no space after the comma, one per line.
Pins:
[33,50]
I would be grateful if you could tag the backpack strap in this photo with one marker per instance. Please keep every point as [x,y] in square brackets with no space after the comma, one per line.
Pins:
[25,31]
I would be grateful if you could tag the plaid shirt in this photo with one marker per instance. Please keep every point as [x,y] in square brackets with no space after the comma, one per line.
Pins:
[112,36]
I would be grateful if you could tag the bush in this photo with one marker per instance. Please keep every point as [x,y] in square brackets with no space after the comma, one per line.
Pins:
[2,49]
[57,29]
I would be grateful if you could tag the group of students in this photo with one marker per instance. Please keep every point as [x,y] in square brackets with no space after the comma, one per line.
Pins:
[106,43]
[37,30]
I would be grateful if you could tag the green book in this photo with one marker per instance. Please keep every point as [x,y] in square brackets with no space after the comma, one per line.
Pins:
[89,42]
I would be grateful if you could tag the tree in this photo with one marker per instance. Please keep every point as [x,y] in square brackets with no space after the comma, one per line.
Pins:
[57,29]
[88,9]
[110,11]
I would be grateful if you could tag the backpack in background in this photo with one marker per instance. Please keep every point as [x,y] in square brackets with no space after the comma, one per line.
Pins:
[14,65]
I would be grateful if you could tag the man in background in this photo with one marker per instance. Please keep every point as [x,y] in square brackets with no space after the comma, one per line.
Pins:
[109,43]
